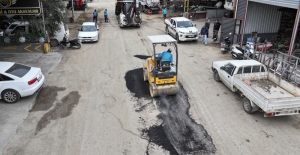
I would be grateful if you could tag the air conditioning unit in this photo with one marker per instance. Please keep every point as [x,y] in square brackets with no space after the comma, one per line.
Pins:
[229,4]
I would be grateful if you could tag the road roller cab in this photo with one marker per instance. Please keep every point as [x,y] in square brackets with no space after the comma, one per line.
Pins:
[162,74]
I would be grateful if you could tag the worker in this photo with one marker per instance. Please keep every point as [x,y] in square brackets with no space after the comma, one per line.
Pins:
[95,16]
[165,13]
[216,29]
[207,25]
[105,15]
[203,33]
[166,56]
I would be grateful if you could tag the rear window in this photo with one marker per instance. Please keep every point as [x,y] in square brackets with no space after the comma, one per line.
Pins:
[18,70]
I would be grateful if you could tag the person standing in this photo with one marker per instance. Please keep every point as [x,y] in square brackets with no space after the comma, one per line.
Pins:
[216,29]
[207,25]
[165,13]
[95,16]
[105,15]
[203,33]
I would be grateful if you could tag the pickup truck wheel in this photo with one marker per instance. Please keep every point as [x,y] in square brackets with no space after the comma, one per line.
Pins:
[247,106]
[216,76]
[177,38]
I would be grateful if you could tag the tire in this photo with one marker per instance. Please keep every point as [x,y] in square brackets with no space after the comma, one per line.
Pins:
[145,74]
[216,76]
[177,38]
[7,40]
[10,96]
[247,106]
[79,46]
[223,52]
[54,42]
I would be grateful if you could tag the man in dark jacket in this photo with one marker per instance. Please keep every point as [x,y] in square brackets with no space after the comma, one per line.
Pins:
[203,33]
[216,29]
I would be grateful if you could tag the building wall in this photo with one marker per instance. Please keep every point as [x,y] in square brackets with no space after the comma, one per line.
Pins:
[262,18]
[283,3]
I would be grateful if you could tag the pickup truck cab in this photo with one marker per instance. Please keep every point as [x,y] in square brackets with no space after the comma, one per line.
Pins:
[260,88]
[182,29]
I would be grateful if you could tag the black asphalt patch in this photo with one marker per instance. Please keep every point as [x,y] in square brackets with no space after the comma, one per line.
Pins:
[143,57]
[178,128]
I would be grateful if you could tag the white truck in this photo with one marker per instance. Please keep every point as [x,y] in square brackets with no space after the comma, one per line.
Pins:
[182,29]
[260,89]
[150,6]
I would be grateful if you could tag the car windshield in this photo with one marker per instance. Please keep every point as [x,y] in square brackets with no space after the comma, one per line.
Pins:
[184,24]
[18,70]
[12,26]
[88,28]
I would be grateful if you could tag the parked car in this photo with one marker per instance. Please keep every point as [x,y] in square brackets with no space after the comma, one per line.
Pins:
[5,22]
[17,80]
[88,32]
[181,29]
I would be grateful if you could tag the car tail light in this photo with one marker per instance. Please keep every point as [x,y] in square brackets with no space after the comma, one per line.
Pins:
[269,114]
[32,81]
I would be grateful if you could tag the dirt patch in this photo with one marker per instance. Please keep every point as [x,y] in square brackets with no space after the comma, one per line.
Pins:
[46,97]
[179,133]
[143,57]
[266,85]
[62,109]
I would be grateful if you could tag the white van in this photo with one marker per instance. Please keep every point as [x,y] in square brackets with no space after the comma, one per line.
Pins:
[23,28]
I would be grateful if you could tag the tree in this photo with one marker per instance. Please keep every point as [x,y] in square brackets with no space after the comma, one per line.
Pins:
[55,12]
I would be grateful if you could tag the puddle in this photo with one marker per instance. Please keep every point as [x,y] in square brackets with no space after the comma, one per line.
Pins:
[62,109]
[45,98]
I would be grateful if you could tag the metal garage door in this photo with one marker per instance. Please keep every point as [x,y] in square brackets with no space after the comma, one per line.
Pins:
[283,3]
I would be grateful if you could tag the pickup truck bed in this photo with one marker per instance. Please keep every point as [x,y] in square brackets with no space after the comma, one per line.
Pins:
[269,89]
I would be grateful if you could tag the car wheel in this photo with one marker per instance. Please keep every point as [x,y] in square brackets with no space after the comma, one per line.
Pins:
[248,107]
[10,96]
[216,76]
[177,38]
[53,42]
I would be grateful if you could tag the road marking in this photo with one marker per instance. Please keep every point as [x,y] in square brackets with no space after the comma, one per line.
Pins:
[39,47]
[27,47]
[10,48]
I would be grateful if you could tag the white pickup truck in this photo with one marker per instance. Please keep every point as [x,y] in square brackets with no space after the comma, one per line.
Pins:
[259,88]
[182,29]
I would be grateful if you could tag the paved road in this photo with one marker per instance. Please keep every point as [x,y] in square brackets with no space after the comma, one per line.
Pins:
[95,102]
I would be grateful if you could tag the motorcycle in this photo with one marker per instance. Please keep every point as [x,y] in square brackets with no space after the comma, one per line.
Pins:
[226,44]
[240,53]
[66,43]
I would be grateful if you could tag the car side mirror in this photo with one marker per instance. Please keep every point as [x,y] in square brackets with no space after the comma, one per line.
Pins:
[222,68]
[98,29]
[173,26]
[195,25]
[78,29]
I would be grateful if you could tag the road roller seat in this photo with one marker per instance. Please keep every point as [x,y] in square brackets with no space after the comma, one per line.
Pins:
[165,65]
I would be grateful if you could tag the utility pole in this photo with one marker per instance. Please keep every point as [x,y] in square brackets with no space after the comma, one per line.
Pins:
[42,12]
[72,20]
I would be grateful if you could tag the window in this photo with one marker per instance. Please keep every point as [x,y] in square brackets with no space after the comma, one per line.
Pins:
[255,69]
[184,24]
[247,69]
[18,70]
[229,68]
[262,69]
[88,28]
[12,26]
[5,78]
[240,71]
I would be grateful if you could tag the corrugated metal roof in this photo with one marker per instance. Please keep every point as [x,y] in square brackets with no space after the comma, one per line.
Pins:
[262,18]
[283,3]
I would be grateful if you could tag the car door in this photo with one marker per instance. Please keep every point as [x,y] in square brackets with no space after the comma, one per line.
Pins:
[173,28]
[1,83]
[226,73]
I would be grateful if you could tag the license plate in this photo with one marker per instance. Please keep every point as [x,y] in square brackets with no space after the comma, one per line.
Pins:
[222,49]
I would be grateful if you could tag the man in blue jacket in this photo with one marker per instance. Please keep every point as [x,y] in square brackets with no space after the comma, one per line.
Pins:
[165,13]
[95,16]
[105,15]
[166,56]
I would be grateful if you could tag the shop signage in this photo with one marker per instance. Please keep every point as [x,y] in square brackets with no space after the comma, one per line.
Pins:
[19,7]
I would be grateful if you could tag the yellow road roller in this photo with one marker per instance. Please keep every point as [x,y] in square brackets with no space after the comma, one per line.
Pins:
[160,73]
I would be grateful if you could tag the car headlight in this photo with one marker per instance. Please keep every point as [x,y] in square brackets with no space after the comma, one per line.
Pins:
[181,32]
[95,37]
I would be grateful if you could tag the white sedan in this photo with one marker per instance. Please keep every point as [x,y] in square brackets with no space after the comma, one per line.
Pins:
[17,80]
[88,32]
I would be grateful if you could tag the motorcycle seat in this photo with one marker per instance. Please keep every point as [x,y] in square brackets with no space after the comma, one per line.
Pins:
[240,49]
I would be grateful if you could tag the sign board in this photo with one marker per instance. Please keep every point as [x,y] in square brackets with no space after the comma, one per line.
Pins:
[19,7]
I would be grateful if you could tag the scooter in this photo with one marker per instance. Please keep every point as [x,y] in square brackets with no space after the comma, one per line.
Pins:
[240,53]
[226,44]
[66,43]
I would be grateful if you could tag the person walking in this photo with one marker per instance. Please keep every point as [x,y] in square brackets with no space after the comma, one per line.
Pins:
[203,33]
[216,29]
[105,15]
[207,25]
[165,13]
[95,16]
